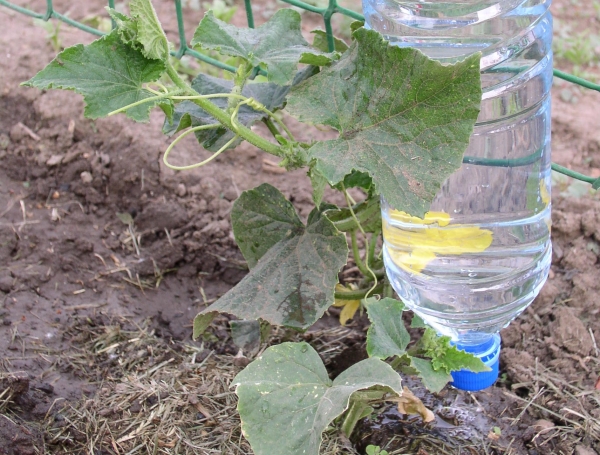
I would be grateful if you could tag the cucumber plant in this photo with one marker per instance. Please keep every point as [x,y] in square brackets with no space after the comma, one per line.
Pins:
[404,122]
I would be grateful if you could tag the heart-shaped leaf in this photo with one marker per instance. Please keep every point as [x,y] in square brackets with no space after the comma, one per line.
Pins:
[403,118]
[109,74]
[293,267]
[387,336]
[287,392]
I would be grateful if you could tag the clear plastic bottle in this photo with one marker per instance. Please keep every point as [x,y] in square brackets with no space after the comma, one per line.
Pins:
[483,252]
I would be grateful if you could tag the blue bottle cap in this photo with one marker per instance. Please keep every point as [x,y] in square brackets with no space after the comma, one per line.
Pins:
[489,353]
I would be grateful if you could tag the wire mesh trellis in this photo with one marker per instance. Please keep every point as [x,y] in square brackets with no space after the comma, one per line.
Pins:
[327,13]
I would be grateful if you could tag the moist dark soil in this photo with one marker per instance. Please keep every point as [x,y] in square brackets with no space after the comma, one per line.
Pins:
[71,275]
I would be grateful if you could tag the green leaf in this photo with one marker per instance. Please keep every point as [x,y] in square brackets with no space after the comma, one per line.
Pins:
[287,392]
[109,74]
[278,43]
[293,268]
[417,323]
[433,380]
[149,31]
[320,42]
[367,212]
[246,335]
[387,336]
[319,184]
[126,27]
[187,113]
[355,25]
[446,357]
[356,179]
[403,118]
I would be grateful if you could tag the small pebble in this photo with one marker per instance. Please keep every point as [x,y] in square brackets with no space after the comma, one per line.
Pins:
[54,160]
[86,177]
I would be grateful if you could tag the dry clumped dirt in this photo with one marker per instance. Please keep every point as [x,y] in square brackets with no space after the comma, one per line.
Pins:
[95,348]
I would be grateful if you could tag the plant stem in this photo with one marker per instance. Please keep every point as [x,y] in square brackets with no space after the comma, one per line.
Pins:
[239,80]
[272,127]
[388,290]
[145,100]
[358,294]
[373,245]
[202,163]
[223,117]
[357,258]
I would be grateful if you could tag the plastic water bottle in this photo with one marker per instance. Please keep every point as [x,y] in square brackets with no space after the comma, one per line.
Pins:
[483,252]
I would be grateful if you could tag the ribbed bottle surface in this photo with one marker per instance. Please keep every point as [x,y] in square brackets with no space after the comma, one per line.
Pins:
[483,252]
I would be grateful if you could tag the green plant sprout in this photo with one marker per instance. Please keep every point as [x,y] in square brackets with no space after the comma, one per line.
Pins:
[375,450]
[404,123]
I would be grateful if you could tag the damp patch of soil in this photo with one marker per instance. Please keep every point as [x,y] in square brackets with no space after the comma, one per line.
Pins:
[95,313]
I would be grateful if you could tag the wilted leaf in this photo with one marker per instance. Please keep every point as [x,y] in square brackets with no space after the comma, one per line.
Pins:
[287,391]
[409,404]
[403,118]
[349,307]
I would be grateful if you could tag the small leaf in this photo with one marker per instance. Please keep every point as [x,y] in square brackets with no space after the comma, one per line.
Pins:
[278,43]
[367,212]
[149,31]
[417,323]
[320,42]
[319,184]
[202,321]
[403,118]
[356,179]
[409,404]
[446,357]
[287,391]
[109,74]
[293,268]
[126,27]
[355,25]
[433,380]
[246,335]
[125,218]
[387,336]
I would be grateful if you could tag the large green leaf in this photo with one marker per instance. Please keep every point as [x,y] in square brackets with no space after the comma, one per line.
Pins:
[293,268]
[109,74]
[286,399]
[149,31]
[187,113]
[278,44]
[402,117]
[387,336]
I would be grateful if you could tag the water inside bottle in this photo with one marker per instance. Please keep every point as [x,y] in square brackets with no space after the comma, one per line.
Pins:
[483,252]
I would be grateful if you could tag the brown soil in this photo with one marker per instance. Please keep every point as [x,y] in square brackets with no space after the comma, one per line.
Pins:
[73,291]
